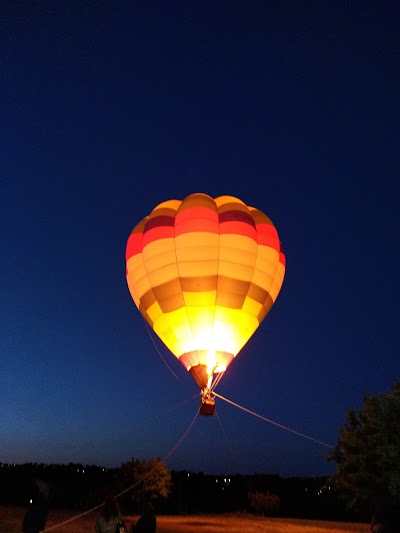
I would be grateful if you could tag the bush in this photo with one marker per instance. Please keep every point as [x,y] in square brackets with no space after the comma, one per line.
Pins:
[264,503]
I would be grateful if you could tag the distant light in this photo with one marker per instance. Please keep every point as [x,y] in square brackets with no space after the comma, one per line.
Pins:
[83,471]
[188,474]
[216,481]
[30,501]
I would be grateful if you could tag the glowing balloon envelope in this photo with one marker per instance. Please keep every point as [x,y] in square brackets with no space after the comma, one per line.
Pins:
[204,273]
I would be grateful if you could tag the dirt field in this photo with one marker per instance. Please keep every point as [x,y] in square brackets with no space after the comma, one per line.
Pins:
[11,520]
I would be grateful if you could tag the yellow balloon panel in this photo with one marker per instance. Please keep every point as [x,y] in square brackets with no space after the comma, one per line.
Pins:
[201,319]
[197,245]
[163,275]
[154,311]
[203,299]
[277,284]
[135,268]
[238,249]
[235,270]
[263,279]
[267,259]
[169,325]
[252,307]
[193,269]
[140,287]
[156,257]
[233,329]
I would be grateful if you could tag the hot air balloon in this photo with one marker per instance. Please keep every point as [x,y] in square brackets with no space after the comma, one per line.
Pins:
[204,273]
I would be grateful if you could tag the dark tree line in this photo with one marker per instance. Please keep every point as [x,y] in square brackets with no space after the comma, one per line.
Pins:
[81,487]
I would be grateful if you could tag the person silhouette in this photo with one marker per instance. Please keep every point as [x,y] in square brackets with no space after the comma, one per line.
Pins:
[35,518]
[147,523]
[109,518]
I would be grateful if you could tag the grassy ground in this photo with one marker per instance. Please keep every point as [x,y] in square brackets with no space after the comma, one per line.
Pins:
[11,520]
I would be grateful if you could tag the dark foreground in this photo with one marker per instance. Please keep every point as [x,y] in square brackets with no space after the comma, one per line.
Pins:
[11,520]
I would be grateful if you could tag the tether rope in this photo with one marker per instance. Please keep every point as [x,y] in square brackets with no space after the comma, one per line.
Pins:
[162,358]
[51,528]
[228,444]
[217,380]
[281,426]
[180,404]
[164,458]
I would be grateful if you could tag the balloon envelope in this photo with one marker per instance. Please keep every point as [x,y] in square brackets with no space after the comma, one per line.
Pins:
[204,273]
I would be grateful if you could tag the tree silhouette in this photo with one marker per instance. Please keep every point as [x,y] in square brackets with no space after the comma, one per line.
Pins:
[367,453]
[151,479]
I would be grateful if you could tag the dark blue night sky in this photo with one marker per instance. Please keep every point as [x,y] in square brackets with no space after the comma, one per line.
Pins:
[108,109]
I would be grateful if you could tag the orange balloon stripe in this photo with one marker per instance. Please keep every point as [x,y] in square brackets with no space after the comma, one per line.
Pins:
[268,236]
[203,219]
[238,228]
[157,233]
[196,225]
[134,245]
